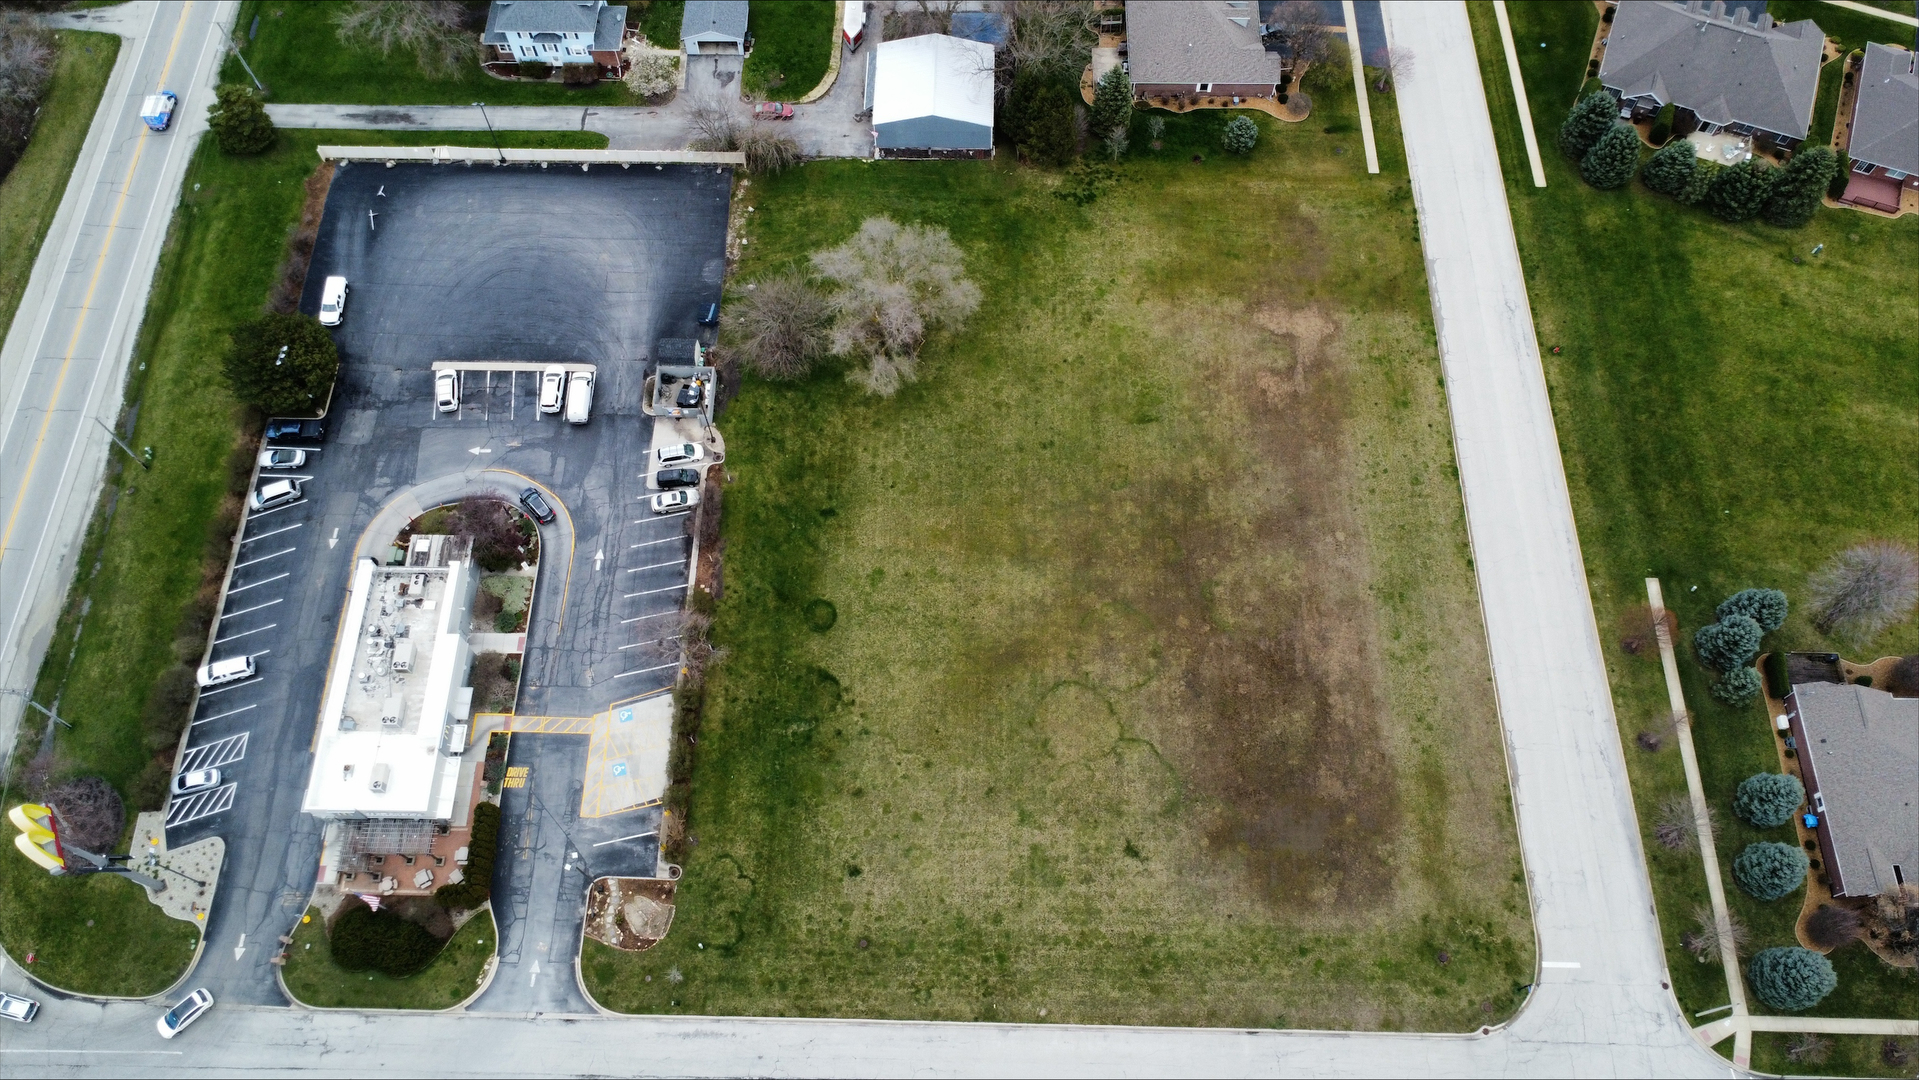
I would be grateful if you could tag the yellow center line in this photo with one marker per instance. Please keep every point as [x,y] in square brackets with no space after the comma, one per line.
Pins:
[86,305]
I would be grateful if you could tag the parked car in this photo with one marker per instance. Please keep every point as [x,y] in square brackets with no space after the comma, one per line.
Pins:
[680,454]
[307,432]
[670,502]
[690,395]
[156,112]
[579,396]
[197,780]
[552,389]
[275,493]
[282,459]
[15,1007]
[221,672]
[772,110]
[446,391]
[536,505]
[333,301]
[190,1008]
[669,479]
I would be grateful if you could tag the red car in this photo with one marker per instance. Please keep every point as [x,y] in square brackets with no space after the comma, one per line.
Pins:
[772,110]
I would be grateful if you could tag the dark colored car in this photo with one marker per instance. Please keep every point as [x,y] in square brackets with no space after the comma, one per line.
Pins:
[295,431]
[677,478]
[710,315]
[535,504]
[689,396]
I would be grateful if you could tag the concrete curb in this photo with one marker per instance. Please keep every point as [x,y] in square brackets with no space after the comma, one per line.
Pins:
[469,155]
[492,968]
[833,66]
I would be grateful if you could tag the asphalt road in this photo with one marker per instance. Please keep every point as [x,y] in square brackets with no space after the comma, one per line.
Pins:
[63,367]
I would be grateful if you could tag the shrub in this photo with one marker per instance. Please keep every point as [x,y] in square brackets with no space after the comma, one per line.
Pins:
[239,121]
[1609,165]
[1039,118]
[476,882]
[1591,118]
[1778,682]
[781,327]
[294,383]
[1737,688]
[91,816]
[1863,589]
[366,940]
[1768,800]
[165,715]
[1841,175]
[26,65]
[1740,192]
[579,74]
[1768,870]
[1240,136]
[1662,125]
[1767,607]
[1791,978]
[650,72]
[1904,680]
[1730,643]
[1112,101]
[1797,188]
[768,151]
[532,69]
[149,790]
[1830,927]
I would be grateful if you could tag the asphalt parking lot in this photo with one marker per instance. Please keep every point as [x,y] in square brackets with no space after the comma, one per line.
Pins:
[514,266]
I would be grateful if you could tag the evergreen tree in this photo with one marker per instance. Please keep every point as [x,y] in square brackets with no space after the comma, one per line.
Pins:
[1791,978]
[1768,870]
[1738,688]
[285,364]
[1799,186]
[1240,136]
[1671,168]
[1112,101]
[1841,175]
[239,121]
[1730,643]
[1662,125]
[1767,607]
[1768,800]
[1740,192]
[1589,120]
[1612,160]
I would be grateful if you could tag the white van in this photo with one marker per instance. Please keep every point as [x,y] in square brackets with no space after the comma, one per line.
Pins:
[579,396]
[221,672]
[333,301]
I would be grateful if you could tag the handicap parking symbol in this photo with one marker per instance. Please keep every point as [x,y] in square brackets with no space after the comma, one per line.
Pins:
[626,716]
[619,767]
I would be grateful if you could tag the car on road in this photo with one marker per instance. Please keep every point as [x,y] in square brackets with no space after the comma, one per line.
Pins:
[680,454]
[282,459]
[668,479]
[579,396]
[191,1008]
[672,502]
[308,432]
[446,391]
[15,1007]
[772,110]
[275,493]
[552,389]
[197,780]
[536,505]
[333,301]
[156,112]
[221,672]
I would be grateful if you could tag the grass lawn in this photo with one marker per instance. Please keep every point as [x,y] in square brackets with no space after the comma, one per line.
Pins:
[148,536]
[793,44]
[1850,1055]
[1732,411]
[299,56]
[1157,690]
[451,978]
[31,192]
[1851,29]
[1826,107]
[660,21]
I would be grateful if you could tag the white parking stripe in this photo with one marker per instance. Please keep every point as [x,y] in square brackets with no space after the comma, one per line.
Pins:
[644,670]
[262,581]
[655,566]
[248,611]
[263,513]
[224,715]
[200,804]
[655,615]
[204,694]
[650,543]
[650,592]
[621,839]
[662,517]
[215,754]
[264,558]
[244,633]
[273,532]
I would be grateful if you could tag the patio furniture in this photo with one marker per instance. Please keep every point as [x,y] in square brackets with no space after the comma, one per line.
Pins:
[423,879]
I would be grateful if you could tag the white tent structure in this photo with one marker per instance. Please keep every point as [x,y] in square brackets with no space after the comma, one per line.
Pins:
[931,96]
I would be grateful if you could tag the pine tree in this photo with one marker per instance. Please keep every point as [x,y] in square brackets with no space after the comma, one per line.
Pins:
[1662,125]
[1613,159]
[1240,136]
[1671,168]
[1112,101]
[1841,176]
[1796,192]
[1589,120]
[1740,192]
[239,121]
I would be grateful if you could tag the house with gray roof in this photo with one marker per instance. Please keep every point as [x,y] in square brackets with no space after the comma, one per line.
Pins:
[714,26]
[1885,128]
[1199,49]
[1858,753]
[555,32]
[1723,69]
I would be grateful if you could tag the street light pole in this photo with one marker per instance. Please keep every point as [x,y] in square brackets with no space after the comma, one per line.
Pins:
[28,698]
[235,46]
[481,105]
[137,459]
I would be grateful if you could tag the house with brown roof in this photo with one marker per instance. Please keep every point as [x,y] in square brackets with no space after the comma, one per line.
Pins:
[1885,128]
[1858,752]
[1199,49]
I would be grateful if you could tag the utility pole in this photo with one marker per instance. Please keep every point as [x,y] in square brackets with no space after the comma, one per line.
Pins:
[143,462]
[235,46]
[28,698]
[481,105]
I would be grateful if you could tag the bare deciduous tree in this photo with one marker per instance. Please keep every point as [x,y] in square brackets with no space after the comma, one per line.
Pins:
[1705,941]
[1676,828]
[91,816]
[1832,926]
[1639,630]
[1399,67]
[697,650]
[1116,142]
[1808,1048]
[715,125]
[768,151]
[1302,26]
[26,62]
[782,327]
[1864,589]
[650,72]
[896,283]
[911,18]
[1052,39]
[434,31]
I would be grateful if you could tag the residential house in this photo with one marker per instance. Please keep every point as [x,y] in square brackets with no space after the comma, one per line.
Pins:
[714,26]
[1885,128]
[1199,49]
[1858,753]
[931,96]
[555,32]
[1723,69]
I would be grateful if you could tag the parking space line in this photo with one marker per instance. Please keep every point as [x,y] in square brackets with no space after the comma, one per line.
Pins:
[655,615]
[623,839]
[264,558]
[263,513]
[273,532]
[205,694]
[650,543]
[650,592]
[655,566]
[224,715]
[255,655]
[244,633]
[655,641]
[200,804]
[262,581]
[661,517]
[215,754]
[644,670]
[249,611]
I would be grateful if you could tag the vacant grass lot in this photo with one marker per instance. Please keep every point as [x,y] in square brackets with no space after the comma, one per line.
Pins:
[144,547]
[1157,691]
[299,56]
[1733,411]
[451,978]
[31,192]
[793,45]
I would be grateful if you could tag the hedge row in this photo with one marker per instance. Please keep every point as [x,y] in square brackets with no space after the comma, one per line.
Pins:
[477,881]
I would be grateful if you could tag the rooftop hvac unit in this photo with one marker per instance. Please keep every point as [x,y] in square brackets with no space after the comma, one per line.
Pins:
[403,656]
[380,775]
[391,711]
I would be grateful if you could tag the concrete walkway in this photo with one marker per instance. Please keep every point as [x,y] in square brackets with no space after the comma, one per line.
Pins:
[1519,93]
[1868,9]
[1359,88]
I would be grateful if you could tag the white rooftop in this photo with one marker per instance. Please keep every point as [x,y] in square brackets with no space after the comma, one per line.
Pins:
[933,75]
